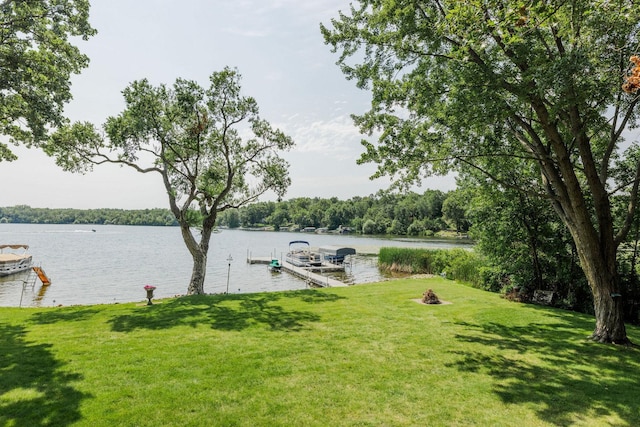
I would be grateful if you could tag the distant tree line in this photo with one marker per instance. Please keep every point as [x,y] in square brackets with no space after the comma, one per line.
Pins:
[410,214]
[23,214]
[382,213]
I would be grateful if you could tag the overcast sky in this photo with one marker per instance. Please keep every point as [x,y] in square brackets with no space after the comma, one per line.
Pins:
[277,47]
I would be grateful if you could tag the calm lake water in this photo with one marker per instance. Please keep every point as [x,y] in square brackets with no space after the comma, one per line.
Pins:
[113,263]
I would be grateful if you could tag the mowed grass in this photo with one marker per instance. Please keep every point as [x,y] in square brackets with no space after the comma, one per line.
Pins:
[367,355]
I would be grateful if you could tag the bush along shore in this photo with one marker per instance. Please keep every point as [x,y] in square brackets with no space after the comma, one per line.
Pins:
[471,268]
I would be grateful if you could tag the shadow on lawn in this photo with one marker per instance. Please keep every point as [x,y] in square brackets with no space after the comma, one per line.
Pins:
[34,390]
[569,378]
[54,316]
[224,312]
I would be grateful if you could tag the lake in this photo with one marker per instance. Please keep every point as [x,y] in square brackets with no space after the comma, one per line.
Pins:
[113,263]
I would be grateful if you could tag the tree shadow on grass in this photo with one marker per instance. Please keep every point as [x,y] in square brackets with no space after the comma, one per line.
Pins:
[312,296]
[34,389]
[67,315]
[568,377]
[224,312]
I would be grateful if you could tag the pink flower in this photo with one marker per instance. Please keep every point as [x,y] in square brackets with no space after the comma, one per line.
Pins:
[149,287]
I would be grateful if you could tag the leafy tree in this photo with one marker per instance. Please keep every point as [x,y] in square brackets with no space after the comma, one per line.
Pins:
[256,214]
[192,138]
[233,218]
[396,227]
[431,203]
[486,85]
[403,215]
[278,218]
[416,228]
[526,241]
[369,227]
[317,212]
[454,211]
[360,205]
[332,217]
[36,62]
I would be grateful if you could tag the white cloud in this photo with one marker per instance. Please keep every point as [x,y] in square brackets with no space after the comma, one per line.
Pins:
[336,137]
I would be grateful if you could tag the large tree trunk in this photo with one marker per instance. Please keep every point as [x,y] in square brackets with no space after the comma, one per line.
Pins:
[599,266]
[196,285]
[609,316]
[199,255]
[589,221]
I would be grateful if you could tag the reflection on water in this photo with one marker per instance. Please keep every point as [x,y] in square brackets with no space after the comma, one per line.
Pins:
[25,284]
[40,296]
[113,263]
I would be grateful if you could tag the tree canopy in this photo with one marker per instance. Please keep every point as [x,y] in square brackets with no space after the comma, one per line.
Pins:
[530,93]
[37,60]
[209,146]
[384,213]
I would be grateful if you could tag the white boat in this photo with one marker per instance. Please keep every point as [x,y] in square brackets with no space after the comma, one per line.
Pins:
[300,255]
[14,259]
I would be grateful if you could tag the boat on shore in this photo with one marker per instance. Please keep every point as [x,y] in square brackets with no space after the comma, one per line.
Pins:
[14,259]
[300,255]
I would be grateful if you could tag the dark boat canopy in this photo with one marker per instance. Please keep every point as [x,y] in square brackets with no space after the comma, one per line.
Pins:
[339,251]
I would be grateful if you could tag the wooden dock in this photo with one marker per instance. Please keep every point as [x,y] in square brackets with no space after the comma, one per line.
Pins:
[308,274]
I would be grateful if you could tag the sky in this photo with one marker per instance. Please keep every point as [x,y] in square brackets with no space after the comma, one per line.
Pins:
[277,47]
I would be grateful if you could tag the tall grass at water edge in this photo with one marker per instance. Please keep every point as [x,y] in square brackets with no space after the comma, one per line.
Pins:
[455,264]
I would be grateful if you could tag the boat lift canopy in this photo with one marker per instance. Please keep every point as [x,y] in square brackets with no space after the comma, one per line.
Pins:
[338,251]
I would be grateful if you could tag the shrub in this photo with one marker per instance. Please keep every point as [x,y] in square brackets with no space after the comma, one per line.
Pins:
[465,266]
[416,228]
[396,228]
[493,279]
[369,227]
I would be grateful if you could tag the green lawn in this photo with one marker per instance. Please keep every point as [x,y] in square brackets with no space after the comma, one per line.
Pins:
[367,355]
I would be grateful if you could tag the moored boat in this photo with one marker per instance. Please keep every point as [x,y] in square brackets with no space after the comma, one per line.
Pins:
[300,255]
[275,266]
[14,259]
